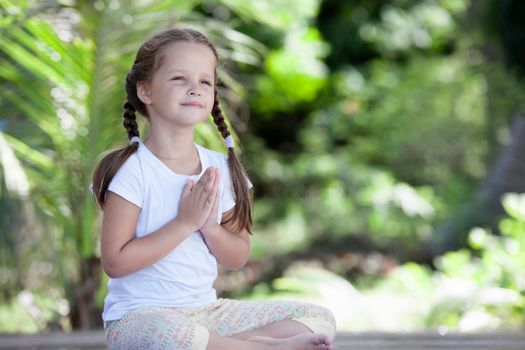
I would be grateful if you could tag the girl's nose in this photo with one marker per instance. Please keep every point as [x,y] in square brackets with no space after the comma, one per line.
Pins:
[194,91]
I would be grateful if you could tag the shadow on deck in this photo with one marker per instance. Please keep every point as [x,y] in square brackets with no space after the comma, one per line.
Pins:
[356,341]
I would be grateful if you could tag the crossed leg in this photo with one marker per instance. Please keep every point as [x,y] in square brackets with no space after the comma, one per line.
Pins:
[303,341]
[279,329]
[286,325]
[232,324]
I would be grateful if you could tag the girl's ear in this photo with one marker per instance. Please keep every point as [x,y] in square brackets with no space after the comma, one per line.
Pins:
[143,92]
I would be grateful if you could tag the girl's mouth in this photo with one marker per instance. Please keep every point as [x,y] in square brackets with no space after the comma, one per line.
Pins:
[192,104]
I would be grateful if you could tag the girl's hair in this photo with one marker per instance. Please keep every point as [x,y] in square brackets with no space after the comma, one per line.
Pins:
[148,60]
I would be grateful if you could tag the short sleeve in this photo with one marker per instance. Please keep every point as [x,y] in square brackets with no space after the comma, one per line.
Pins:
[228,196]
[128,181]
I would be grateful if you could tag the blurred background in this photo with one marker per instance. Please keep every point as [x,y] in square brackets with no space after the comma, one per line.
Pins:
[385,139]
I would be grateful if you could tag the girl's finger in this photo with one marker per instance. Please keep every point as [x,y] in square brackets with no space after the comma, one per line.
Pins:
[217,196]
[214,195]
[216,186]
[217,176]
[207,189]
[215,201]
[201,183]
[187,188]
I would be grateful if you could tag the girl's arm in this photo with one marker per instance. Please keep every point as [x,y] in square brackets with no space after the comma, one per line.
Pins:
[231,249]
[122,253]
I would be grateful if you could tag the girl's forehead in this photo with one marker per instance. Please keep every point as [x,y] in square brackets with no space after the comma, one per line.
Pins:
[186,55]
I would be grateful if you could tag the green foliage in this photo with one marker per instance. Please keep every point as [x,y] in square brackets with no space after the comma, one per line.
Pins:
[473,289]
[426,113]
[277,14]
[415,126]
[339,198]
[313,284]
[294,74]
[34,312]
[425,25]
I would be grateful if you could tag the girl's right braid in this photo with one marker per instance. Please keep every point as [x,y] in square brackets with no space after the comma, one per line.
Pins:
[130,120]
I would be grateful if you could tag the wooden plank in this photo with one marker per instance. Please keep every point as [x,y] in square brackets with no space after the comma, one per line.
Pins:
[356,341]
[54,340]
[431,341]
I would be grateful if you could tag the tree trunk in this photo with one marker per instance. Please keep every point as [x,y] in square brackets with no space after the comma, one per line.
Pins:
[485,210]
[84,312]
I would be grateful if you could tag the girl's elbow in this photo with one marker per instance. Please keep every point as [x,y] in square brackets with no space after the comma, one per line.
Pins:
[112,269]
[236,264]
[112,274]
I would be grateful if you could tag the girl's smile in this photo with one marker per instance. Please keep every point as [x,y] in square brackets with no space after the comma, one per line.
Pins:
[192,104]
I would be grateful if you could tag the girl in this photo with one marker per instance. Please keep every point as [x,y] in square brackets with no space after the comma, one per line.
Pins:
[173,209]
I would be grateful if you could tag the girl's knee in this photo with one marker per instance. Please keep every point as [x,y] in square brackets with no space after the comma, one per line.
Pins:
[156,329]
[317,318]
[314,311]
[201,338]
[318,325]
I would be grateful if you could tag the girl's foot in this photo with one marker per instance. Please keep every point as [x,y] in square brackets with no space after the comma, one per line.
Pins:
[304,341]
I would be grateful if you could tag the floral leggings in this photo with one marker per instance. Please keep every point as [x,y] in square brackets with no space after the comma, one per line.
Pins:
[188,328]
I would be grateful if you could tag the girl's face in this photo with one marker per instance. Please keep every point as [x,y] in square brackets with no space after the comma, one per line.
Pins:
[182,89]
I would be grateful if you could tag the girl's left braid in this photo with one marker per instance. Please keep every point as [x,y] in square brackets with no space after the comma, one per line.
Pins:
[218,118]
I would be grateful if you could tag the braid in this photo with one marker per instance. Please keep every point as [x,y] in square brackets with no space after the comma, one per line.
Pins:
[218,118]
[110,163]
[242,214]
[130,120]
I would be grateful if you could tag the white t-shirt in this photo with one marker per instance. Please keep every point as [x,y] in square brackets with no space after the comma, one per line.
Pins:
[184,277]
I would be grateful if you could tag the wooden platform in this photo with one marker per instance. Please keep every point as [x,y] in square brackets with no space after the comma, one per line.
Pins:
[355,341]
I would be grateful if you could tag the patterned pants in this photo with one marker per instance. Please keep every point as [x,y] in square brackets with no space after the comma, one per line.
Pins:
[188,328]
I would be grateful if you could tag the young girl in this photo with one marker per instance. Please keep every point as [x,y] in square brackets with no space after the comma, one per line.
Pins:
[173,209]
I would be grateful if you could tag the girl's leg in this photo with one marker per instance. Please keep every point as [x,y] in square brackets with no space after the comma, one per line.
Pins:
[166,328]
[281,319]
[278,329]
[305,341]
[156,328]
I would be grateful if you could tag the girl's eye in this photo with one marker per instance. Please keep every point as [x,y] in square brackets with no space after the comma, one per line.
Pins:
[178,78]
[206,82]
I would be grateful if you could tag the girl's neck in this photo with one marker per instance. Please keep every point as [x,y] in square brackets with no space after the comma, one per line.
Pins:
[170,145]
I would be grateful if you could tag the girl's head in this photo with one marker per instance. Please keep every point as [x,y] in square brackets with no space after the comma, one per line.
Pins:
[155,57]
[158,62]
[181,92]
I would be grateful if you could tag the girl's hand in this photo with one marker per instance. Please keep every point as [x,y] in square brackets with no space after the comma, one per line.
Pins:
[211,223]
[197,199]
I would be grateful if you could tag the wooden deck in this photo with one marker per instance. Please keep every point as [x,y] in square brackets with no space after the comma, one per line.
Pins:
[356,341]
